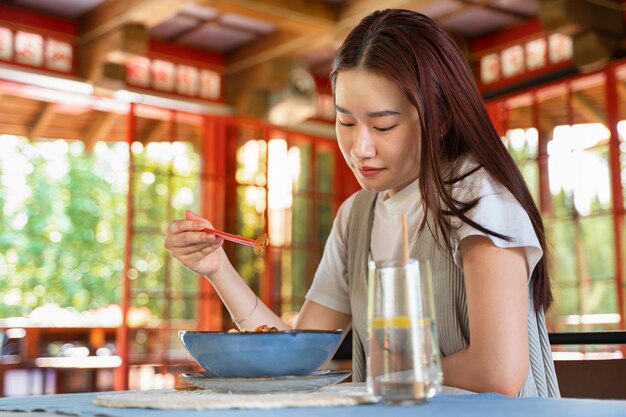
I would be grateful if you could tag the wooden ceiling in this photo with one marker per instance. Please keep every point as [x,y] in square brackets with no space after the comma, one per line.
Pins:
[259,39]
[250,32]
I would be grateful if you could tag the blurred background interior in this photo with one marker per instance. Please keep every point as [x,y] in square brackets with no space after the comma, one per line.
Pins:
[116,116]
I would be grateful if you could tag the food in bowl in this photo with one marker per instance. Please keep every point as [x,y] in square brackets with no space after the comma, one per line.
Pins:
[261,354]
[264,328]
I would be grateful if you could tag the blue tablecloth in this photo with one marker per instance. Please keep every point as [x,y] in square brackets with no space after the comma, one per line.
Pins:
[475,405]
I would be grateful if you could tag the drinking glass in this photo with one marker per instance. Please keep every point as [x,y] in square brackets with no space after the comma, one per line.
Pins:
[403,362]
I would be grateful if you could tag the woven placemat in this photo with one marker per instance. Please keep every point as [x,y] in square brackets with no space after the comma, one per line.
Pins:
[171,399]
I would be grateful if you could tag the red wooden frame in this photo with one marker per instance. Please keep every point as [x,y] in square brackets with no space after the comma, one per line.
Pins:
[612,116]
[516,35]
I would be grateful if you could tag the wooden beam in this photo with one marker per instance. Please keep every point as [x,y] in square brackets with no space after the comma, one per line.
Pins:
[297,43]
[487,5]
[592,50]
[355,10]
[41,121]
[572,16]
[299,16]
[117,29]
[100,128]
[114,47]
[113,14]
[525,119]
[621,88]
[156,131]
[244,68]
[588,109]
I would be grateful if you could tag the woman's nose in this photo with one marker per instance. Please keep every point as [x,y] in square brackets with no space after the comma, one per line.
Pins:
[363,145]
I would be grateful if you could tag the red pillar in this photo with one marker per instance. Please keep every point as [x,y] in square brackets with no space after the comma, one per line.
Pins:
[120,381]
[612,113]
[212,203]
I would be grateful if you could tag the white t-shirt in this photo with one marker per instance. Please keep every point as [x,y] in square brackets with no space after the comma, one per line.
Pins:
[497,210]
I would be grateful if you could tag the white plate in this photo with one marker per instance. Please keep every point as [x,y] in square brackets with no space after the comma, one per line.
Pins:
[266,385]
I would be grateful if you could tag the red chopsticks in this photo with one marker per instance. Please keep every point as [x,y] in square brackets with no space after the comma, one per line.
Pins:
[258,244]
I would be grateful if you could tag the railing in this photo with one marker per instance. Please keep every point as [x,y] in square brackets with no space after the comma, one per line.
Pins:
[617,337]
[592,378]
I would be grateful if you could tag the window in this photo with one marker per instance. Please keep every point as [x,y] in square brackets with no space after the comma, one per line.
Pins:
[166,182]
[560,139]
[60,236]
[285,181]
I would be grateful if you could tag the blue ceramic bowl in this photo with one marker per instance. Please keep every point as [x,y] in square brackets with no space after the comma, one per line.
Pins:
[291,352]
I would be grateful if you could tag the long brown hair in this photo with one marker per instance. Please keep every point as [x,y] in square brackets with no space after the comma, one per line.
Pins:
[425,63]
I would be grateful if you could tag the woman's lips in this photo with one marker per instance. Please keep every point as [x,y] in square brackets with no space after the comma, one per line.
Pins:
[369,172]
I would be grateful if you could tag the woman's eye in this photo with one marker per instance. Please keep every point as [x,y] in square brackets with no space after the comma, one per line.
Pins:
[384,129]
[347,124]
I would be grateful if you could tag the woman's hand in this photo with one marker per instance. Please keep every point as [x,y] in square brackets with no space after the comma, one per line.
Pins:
[199,251]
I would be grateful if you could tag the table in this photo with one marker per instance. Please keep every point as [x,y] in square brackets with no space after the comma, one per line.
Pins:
[444,405]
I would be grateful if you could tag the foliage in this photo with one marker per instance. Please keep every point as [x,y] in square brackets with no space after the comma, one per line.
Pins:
[63,227]
[580,245]
[63,243]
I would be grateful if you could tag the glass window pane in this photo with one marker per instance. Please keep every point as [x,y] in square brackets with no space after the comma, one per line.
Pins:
[579,169]
[598,244]
[250,266]
[305,218]
[250,211]
[184,194]
[61,240]
[301,165]
[324,220]
[150,199]
[600,297]
[566,299]
[561,235]
[251,163]
[530,172]
[185,159]
[286,284]
[302,218]
[181,278]
[522,143]
[273,258]
[184,309]
[325,171]
[143,342]
[300,278]
[147,308]
[147,261]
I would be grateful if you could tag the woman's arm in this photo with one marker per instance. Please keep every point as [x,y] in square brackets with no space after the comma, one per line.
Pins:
[203,254]
[316,316]
[497,359]
[247,311]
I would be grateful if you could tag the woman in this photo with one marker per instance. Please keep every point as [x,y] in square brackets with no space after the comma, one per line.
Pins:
[413,128]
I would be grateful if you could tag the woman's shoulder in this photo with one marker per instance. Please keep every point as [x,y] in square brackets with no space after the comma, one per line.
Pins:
[468,178]
[358,197]
[359,201]
[343,213]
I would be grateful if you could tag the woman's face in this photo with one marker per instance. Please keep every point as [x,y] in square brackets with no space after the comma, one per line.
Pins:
[378,131]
